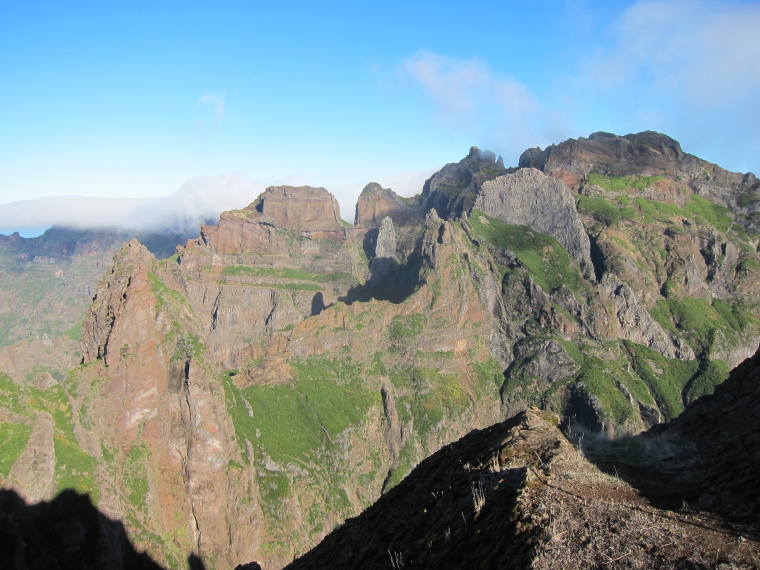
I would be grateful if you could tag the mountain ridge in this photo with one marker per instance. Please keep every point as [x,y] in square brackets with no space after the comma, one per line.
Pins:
[278,373]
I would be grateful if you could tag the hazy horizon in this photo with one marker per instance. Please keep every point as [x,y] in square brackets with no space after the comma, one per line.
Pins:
[136,101]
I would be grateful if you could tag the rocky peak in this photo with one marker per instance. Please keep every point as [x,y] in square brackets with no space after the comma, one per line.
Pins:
[312,212]
[638,154]
[299,208]
[528,197]
[646,153]
[452,190]
[376,202]
[123,290]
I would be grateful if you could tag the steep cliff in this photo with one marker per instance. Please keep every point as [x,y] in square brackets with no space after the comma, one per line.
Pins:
[46,286]
[282,371]
[518,495]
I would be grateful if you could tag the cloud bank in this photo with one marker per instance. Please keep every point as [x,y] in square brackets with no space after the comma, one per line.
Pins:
[198,201]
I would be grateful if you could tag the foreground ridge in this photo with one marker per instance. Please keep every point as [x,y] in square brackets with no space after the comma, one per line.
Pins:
[519,495]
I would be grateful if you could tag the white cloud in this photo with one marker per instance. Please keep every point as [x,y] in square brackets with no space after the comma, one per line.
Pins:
[72,211]
[688,68]
[198,200]
[497,111]
[705,53]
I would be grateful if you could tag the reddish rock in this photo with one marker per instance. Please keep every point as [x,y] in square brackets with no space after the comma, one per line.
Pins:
[312,212]
[376,203]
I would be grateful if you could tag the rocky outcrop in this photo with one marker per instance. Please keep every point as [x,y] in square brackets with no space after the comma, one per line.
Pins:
[528,197]
[545,359]
[646,153]
[453,189]
[160,413]
[304,208]
[640,154]
[310,212]
[724,430]
[125,289]
[638,326]
[384,263]
[375,203]
[518,495]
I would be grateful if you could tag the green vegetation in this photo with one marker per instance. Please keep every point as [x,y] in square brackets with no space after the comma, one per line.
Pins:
[621,183]
[13,438]
[710,374]
[544,258]
[291,422]
[287,273]
[75,332]
[666,378]
[488,372]
[700,210]
[715,215]
[600,209]
[74,468]
[405,465]
[627,213]
[604,378]
[135,480]
[699,321]
[300,429]
[163,293]
[405,327]
[738,315]
[749,264]
[747,199]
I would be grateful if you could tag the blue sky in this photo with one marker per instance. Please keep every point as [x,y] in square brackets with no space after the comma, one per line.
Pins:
[134,99]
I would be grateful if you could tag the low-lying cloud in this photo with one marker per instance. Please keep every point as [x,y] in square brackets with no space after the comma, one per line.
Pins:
[198,201]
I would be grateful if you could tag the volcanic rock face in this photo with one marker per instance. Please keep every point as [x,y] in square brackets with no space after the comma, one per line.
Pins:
[313,212]
[281,372]
[453,189]
[644,154]
[518,495]
[638,326]
[304,208]
[531,198]
[376,203]
[46,286]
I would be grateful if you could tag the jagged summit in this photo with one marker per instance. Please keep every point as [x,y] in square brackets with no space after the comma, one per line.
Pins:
[452,190]
[284,370]
[376,202]
[639,154]
[312,212]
